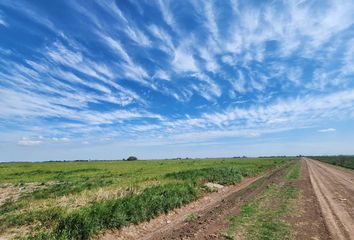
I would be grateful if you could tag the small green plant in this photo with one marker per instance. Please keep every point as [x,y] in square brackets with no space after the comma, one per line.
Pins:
[228,235]
[192,217]
[208,189]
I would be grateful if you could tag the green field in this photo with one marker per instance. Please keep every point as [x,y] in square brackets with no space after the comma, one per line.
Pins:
[343,161]
[76,200]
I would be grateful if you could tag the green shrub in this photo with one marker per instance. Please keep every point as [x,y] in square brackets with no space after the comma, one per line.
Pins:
[192,217]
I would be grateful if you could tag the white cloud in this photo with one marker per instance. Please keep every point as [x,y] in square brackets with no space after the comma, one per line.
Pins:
[295,75]
[24,142]
[117,46]
[184,61]
[211,23]
[138,36]
[167,14]
[228,59]
[165,38]
[60,139]
[210,61]
[327,130]
[161,74]
[2,21]
[33,14]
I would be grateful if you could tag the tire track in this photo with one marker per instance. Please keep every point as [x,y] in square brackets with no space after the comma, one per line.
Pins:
[334,189]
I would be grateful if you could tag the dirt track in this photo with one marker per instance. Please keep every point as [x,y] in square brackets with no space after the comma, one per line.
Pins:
[209,207]
[334,188]
[212,220]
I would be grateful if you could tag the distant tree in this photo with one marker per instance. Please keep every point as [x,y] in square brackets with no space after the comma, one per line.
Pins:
[132,158]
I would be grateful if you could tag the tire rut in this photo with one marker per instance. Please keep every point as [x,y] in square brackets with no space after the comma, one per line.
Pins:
[212,221]
[334,190]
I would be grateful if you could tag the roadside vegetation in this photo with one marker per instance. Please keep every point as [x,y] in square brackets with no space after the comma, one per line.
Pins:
[263,217]
[343,161]
[76,200]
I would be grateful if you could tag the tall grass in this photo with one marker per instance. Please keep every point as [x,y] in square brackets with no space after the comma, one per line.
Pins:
[224,175]
[85,222]
[343,161]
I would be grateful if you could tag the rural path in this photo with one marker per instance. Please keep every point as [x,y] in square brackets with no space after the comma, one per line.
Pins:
[334,188]
[213,219]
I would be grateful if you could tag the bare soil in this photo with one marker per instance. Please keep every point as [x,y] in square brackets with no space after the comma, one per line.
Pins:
[334,188]
[11,192]
[306,219]
[8,192]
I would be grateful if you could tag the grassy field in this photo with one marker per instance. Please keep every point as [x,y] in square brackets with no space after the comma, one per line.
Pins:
[343,161]
[76,200]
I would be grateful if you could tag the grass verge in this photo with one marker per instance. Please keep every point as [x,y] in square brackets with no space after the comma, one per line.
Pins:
[343,161]
[83,223]
[261,218]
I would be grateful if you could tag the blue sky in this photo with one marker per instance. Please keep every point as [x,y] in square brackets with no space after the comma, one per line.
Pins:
[108,79]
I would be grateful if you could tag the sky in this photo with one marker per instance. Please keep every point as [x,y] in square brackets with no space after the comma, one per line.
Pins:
[107,79]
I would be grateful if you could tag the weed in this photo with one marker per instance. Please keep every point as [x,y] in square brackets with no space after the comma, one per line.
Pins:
[192,217]
[228,235]
[225,176]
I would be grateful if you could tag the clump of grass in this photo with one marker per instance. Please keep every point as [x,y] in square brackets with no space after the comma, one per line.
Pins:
[225,175]
[228,235]
[192,217]
[10,206]
[294,171]
[47,217]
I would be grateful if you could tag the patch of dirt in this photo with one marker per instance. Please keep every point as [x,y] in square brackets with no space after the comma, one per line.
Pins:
[306,219]
[8,192]
[211,209]
[11,192]
[334,188]
[213,186]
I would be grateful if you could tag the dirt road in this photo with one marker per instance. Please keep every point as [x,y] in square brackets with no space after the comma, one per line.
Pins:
[334,188]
